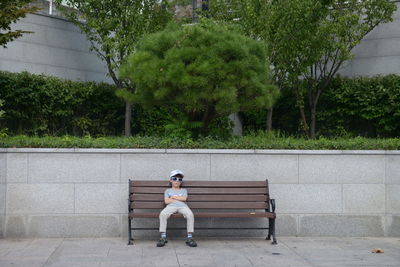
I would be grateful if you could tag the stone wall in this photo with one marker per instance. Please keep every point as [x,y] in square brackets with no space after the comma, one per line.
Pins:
[83,192]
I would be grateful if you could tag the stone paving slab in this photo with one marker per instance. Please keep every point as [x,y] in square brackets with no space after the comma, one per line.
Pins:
[114,252]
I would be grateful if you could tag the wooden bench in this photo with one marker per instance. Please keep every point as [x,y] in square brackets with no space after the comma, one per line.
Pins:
[248,199]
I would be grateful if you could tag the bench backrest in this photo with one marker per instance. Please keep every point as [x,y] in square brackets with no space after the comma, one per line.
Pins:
[202,194]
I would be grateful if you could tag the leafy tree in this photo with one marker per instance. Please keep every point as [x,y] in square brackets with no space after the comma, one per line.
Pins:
[113,28]
[10,12]
[265,20]
[307,40]
[206,69]
[2,112]
[342,28]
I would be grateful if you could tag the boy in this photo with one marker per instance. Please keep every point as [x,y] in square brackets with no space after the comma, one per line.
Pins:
[175,198]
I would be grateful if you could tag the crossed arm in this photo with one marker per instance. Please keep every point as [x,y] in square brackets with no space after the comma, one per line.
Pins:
[168,200]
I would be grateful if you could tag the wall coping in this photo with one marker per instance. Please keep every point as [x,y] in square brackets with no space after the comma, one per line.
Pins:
[200,151]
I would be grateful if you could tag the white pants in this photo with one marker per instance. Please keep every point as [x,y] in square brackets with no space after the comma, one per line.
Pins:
[169,210]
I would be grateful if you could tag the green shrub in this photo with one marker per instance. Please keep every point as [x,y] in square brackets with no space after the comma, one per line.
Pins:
[361,106]
[205,70]
[40,105]
[251,141]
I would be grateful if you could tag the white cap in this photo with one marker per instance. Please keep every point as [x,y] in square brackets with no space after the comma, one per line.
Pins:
[176,172]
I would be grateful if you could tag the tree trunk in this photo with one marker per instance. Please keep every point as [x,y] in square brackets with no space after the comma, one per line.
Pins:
[128,118]
[314,97]
[313,118]
[304,121]
[269,119]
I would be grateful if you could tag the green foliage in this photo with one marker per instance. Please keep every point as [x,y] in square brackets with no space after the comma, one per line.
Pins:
[182,127]
[251,141]
[205,70]
[10,12]
[307,40]
[114,27]
[39,105]
[361,106]
[2,112]
[161,121]
[3,131]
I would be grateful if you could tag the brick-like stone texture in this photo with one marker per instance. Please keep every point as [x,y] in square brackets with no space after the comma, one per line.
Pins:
[3,167]
[311,198]
[286,225]
[15,226]
[2,199]
[393,169]
[393,198]
[341,225]
[393,225]
[17,167]
[40,198]
[341,169]
[2,225]
[364,198]
[74,168]
[159,166]
[101,198]
[275,168]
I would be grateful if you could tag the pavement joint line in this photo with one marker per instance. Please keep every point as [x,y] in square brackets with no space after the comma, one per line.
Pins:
[176,255]
[108,252]
[59,245]
[247,258]
[295,252]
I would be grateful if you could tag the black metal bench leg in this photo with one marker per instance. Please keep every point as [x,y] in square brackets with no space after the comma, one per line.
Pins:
[130,231]
[271,231]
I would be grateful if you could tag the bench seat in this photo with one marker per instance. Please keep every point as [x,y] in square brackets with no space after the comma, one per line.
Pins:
[208,215]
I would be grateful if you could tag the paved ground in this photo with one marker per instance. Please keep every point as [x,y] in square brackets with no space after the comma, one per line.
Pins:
[291,251]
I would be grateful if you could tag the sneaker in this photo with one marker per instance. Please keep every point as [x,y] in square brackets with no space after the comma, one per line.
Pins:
[191,243]
[162,242]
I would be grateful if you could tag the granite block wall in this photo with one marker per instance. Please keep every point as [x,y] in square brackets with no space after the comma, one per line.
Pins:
[83,192]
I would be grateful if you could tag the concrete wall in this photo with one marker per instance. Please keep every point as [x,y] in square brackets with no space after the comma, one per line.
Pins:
[83,192]
[58,48]
[379,52]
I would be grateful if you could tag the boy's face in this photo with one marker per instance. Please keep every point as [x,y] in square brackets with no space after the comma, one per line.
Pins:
[176,180]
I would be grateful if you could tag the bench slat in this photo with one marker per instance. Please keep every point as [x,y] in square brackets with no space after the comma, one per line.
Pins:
[206,198]
[219,191]
[210,215]
[164,183]
[203,205]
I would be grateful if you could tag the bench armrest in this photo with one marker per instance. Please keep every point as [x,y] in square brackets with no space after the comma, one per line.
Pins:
[272,204]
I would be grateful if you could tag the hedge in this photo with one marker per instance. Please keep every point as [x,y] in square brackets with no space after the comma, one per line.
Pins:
[40,105]
[360,106]
[252,141]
